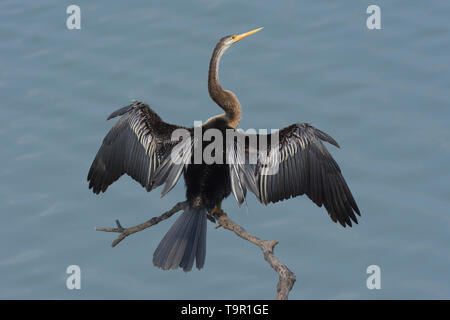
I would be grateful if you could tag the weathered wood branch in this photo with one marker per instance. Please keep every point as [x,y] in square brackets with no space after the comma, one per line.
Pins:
[125,232]
[286,278]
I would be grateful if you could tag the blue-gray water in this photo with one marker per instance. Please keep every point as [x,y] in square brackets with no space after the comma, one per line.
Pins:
[382,94]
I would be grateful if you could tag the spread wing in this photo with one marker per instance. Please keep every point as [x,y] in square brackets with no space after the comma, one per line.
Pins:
[299,164]
[136,145]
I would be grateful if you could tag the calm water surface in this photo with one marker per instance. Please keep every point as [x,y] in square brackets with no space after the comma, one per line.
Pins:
[383,95]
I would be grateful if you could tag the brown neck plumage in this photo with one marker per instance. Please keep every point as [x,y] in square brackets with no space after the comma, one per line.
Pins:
[224,98]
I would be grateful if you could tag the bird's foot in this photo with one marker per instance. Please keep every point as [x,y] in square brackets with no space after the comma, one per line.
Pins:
[217,211]
[211,218]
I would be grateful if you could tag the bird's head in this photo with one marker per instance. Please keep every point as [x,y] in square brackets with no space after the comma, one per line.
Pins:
[232,39]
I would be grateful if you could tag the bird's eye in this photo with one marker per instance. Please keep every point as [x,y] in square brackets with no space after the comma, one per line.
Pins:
[233,37]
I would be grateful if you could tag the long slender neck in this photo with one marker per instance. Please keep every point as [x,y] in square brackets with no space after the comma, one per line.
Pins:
[224,98]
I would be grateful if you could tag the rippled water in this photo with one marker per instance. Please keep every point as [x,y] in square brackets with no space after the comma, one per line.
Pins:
[382,94]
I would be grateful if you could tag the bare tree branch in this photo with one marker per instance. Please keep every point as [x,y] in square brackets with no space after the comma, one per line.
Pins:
[286,278]
[125,232]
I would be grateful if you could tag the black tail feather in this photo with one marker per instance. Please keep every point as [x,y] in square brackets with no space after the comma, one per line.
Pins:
[184,242]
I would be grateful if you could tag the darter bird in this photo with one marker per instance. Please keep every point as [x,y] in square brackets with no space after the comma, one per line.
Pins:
[140,144]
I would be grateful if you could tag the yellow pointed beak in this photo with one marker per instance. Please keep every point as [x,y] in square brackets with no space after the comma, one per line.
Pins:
[243,35]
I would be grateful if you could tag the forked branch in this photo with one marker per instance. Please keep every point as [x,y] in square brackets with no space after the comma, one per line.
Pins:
[286,278]
[125,232]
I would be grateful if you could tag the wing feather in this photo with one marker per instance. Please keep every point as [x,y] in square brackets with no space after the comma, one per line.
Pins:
[304,167]
[136,145]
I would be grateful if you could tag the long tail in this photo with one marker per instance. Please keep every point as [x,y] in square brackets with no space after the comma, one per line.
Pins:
[184,241]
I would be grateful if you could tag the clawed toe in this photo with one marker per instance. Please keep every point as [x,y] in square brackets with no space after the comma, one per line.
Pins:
[217,212]
[211,218]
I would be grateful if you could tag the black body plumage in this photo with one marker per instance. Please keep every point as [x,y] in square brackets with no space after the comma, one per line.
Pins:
[206,186]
